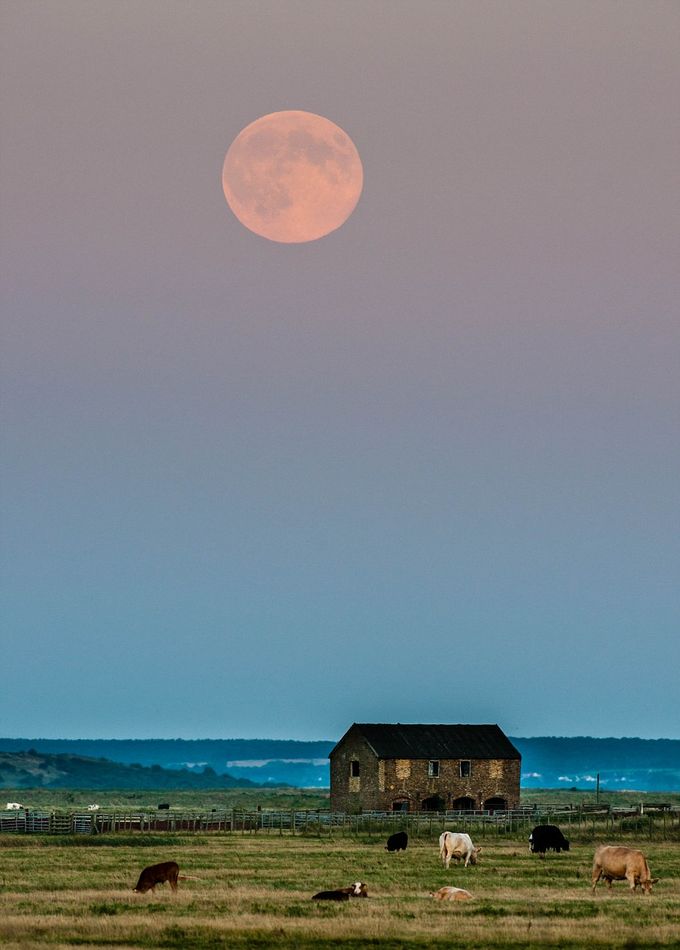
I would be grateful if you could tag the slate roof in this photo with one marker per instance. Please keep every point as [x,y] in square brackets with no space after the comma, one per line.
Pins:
[434,741]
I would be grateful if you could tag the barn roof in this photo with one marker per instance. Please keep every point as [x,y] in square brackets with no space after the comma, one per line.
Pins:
[434,741]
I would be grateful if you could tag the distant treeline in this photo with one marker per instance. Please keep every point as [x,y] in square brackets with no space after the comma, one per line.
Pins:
[547,762]
[34,769]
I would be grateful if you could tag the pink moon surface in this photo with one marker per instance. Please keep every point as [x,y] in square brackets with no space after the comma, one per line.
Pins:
[292,176]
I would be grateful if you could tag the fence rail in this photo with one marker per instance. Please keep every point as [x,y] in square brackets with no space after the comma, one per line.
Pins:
[654,821]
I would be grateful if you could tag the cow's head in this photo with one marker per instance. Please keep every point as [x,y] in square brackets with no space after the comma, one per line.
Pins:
[359,889]
[565,846]
[647,885]
[475,855]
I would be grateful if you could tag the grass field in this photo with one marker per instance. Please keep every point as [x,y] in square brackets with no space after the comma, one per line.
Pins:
[277,798]
[254,891]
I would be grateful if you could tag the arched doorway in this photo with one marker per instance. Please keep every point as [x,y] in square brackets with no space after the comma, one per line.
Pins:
[495,804]
[433,803]
[465,803]
[400,804]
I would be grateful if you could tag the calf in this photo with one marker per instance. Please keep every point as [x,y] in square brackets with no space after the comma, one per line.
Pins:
[455,844]
[397,841]
[157,874]
[622,864]
[451,894]
[547,838]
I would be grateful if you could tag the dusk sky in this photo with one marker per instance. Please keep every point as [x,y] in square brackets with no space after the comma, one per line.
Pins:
[423,469]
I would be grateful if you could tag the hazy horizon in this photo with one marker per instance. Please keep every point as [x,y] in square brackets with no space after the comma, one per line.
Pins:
[270,738]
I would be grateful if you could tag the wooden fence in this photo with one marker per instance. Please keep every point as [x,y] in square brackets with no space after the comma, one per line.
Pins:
[661,821]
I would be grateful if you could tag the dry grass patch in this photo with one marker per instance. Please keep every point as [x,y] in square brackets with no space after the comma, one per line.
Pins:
[255,890]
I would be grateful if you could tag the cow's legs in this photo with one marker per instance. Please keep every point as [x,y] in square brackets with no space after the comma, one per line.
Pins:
[597,874]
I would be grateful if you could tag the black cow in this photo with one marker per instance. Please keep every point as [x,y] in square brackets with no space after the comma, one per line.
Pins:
[337,895]
[397,842]
[547,838]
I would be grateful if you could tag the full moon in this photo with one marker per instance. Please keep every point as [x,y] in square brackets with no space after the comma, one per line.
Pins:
[292,176]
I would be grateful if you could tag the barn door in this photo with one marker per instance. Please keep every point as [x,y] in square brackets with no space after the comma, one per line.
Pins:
[433,803]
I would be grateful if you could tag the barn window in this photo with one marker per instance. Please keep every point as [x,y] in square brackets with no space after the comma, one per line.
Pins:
[433,768]
[465,768]
[354,768]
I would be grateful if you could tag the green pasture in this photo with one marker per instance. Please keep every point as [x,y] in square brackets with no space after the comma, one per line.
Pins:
[254,890]
[278,798]
[61,799]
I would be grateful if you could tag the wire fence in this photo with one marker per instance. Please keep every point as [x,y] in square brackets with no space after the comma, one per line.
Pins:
[653,821]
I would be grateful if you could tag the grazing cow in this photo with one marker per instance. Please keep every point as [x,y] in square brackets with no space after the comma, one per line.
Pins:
[622,864]
[13,806]
[163,806]
[158,874]
[451,894]
[358,889]
[397,842]
[547,838]
[93,807]
[455,844]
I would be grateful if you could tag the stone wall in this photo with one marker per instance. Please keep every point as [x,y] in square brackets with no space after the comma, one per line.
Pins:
[360,793]
[382,782]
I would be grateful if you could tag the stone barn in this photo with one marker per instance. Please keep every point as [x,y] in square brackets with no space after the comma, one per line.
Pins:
[397,767]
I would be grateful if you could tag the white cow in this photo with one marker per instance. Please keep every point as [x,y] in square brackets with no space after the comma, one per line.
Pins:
[93,807]
[13,806]
[456,844]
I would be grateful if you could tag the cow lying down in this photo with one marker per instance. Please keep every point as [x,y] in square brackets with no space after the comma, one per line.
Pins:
[451,894]
[358,889]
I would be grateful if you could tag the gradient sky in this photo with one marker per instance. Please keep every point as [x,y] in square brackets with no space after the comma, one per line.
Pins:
[424,469]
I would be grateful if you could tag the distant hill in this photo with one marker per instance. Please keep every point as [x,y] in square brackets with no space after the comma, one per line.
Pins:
[33,769]
[263,761]
[645,765]
[547,762]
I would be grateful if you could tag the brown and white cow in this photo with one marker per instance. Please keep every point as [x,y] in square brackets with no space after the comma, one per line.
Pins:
[622,864]
[451,894]
[158,874]
[456,844]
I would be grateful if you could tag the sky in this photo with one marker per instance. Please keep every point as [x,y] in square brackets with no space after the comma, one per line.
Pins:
[424,469]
